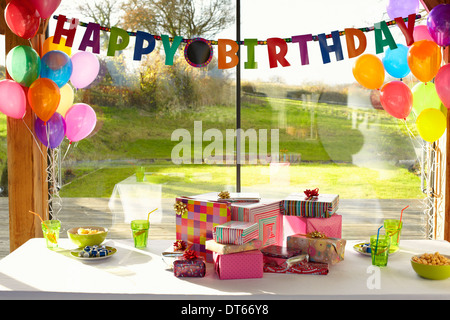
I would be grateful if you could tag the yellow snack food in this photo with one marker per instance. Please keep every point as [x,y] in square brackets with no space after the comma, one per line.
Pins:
[434,259]
[88,231]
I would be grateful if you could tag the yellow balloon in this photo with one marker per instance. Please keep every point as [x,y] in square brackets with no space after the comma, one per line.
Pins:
[431,124]
[66,101]
[368,70]
[50,46]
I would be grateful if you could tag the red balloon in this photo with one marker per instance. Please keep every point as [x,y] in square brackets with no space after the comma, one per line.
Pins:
[442,84]
[396,98]
[22,18]
[45,7]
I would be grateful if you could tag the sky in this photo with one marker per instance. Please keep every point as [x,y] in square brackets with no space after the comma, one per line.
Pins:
[263,19]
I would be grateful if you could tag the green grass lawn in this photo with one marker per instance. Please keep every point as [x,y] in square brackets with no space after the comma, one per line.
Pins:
[329,138]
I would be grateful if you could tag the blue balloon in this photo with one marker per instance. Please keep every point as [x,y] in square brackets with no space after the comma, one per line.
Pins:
[395,61]
[57,66]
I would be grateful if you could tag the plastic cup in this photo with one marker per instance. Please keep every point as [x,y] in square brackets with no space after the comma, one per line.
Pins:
[140,172]
[380,251]
[50,229]
[139,229]
[393,229]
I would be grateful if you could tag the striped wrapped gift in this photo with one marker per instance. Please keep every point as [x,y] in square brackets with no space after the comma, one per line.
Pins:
[322,206]
[235,232]
[266,214]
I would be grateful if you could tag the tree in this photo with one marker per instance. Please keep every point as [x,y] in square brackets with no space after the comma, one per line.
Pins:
[184,18]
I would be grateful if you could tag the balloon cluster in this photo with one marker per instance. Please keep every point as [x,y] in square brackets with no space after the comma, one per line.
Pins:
[423,59]
[43,81]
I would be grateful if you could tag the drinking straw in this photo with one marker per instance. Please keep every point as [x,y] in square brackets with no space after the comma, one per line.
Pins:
[400,221]
[50,235]
[378,235]
[148,217]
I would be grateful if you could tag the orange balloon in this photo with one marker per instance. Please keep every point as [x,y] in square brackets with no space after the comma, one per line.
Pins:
[44,97]
[50,46]
[424,59]
[368,70]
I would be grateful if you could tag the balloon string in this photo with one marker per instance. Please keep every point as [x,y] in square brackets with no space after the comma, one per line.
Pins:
[68,147]
[37,143]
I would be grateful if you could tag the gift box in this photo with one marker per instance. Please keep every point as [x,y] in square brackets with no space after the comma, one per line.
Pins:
[303,267]
[331,227]
[326,250]
[279,259]
[175,251]
[189,266]
[195,220]
[266,214]
[242,265]
[300,205]
[235,232]
[221,248]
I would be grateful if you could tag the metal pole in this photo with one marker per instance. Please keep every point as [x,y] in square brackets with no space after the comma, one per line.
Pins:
[238,98]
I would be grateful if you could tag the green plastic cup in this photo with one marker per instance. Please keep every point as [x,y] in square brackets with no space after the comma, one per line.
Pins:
[50,229]
[393,229]
[139,229]
[380,250]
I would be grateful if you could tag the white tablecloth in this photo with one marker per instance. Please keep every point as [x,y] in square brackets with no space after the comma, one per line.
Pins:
[33,271]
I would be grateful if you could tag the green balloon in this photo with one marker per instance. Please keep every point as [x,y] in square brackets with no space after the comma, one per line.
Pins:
[23,65]
[425,97]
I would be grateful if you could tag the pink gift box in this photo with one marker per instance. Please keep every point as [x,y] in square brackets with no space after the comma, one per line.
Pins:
[241,265]
[331,227]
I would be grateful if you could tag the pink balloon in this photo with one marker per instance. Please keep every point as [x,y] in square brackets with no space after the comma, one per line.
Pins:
[85,68]
[442,84]
[396,98]
[421,33]
[13,101]
[45,7]
[80,121]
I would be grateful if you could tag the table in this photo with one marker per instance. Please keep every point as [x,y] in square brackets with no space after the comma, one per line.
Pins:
[34,272]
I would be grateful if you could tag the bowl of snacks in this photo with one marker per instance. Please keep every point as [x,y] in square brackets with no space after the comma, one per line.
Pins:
[87,236]
[433,266]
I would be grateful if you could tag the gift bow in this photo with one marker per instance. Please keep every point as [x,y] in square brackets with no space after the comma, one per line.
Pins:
[224,195]
[179,245]
[311,193]
[190,255]
[180,208]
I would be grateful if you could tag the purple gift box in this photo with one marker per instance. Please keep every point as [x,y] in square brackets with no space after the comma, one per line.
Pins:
[189,267]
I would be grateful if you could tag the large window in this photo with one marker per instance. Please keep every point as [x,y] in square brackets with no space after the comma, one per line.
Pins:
[169,130]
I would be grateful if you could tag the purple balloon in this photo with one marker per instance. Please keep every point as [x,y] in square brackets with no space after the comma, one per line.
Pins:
[402,8]
[55,130]
[438,23]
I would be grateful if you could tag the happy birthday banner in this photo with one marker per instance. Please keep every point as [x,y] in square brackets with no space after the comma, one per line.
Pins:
[198,52]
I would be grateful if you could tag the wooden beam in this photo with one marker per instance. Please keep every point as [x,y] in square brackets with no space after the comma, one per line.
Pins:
[27,161]
[429,5]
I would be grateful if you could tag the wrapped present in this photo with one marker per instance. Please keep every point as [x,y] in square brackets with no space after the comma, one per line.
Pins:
[235,232]
[332,226]
[304,267]
[189,265]
[176,250]
[221,248]
[319,249]
[241,265]
[266,214]
[279,259]
[301,205]
[195,220]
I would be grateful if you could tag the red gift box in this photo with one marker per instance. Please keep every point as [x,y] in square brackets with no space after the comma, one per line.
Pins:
[331,227]
[189,267]
[241,265]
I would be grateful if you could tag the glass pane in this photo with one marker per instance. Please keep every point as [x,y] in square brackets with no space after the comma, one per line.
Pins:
[332,133]
[151,143]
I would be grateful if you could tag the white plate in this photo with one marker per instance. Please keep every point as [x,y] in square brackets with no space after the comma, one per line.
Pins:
[359,248]
[74,253]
